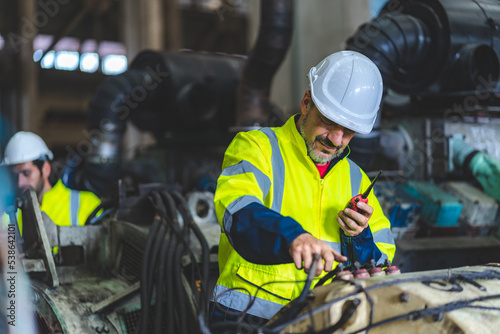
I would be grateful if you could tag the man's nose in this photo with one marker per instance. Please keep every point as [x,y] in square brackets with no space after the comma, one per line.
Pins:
[336,136]
[21,181]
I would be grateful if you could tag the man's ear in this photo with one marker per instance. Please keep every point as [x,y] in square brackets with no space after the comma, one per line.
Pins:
[305,105]
[46,168]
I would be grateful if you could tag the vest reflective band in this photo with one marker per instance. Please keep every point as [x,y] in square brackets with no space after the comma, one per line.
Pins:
[74,206]
[271,167]
[278,170]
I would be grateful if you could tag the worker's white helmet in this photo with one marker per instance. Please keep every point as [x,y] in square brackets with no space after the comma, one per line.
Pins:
[25,146]
[346,87]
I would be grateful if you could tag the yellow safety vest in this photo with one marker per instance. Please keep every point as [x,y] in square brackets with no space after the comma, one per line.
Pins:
[66,207]
[271,166]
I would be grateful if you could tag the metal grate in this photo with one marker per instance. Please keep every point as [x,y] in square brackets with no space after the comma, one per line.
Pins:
[130,262]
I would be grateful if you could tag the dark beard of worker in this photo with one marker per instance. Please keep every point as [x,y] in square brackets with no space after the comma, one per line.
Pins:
[311,146]
[38,188]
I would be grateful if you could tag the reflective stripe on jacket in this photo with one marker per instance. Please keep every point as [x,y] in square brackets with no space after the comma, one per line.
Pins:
[66,207]
[270,167]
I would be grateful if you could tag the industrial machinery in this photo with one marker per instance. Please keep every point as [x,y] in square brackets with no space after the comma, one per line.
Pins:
[115,276]
[146,264]
[459,300]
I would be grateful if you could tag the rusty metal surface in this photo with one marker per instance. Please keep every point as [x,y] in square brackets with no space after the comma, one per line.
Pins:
[70,304]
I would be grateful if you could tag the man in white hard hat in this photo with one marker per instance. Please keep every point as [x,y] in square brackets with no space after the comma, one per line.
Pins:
[27,157]
[283,192]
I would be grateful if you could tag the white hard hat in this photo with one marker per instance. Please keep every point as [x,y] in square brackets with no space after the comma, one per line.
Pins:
[347,87]
[25,146]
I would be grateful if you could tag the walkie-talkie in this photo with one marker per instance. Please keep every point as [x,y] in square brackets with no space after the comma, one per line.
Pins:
[352,204]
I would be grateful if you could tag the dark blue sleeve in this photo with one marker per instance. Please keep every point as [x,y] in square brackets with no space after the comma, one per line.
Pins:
[263,236]
[360,248]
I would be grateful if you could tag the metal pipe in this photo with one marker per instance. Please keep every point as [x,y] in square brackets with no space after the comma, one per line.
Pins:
[275,34]
[445,47]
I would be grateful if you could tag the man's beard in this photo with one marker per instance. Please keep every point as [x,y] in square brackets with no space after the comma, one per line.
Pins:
[38,188]
[312,149]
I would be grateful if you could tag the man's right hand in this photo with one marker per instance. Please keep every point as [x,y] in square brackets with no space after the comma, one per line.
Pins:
[303,248]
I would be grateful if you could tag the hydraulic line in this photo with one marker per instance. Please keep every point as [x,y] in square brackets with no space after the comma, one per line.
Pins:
[427,312]
[188,220]
[486,274]
[168,240]
[162,269]
[144,274]
[350,308]
[149,264]
[300,302]
[168,267]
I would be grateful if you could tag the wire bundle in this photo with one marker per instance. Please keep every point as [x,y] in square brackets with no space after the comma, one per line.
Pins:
[292,316]
[168,301]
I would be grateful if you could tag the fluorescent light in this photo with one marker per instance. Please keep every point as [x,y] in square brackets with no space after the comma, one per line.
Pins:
[37,55]
[114,64]
[48,60]
[67,60]
[89,62]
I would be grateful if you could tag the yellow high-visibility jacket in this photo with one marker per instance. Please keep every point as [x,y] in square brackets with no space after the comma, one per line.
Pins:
[66,207]
[270,192]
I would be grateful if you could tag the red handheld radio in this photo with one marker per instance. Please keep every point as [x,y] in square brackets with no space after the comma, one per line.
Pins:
[352,204]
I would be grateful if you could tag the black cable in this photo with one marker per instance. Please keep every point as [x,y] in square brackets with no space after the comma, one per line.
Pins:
[184,247]
[349,308]
[416,315]
[484,307]
[104,205]
[299,303]
[144,275]
[149,263]
[180,290]
[174,283]
[485,274]
[325,278]
[160,289]
[205,250]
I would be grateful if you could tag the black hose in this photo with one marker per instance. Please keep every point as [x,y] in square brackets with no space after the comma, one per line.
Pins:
[486,274]
[149,264]
[416,315]
[180,291]
[167,265]
[275,34]
[168,241]
[349,309]
[105,204]
[394,41]
[300,302]
[144,275]
[205,251]
[162,269]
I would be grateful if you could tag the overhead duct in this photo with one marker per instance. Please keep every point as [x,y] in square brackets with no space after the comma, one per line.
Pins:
[429,47]
[182,92]
[275,34]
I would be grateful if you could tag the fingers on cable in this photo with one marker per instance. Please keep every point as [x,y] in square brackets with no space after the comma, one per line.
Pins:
[297,259]
[307,258]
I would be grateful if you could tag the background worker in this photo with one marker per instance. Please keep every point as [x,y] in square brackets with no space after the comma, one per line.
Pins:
[27,157]
[282,194]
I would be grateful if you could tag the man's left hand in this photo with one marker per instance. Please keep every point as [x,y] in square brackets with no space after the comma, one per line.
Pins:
[352,222]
